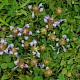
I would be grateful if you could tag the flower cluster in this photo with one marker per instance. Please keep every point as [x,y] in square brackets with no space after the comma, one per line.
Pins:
[35,42]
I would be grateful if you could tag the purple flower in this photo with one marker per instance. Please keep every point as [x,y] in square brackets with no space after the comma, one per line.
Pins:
[11,27]
[58,51]
[31,44]
[47,68]
[26,37]
[37,31]
[64,49]
[22,45]
[33,53]
[30,6]
[19,29]
[38,54]
[26,66]
[19,34]
[22,41]
[40,5]
[1,53]
[64,36]
[10,36]
[41,9]
[10,45]
[6,51]
[14,68]
[46,26]
[3,41]
[16,62]
[34,42]
[30,32]
[27,25]
[67,39]
[33,15]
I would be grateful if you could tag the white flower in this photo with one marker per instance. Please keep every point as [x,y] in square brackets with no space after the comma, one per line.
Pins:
[1,53]
[26,37]
[46,26]
[41,9]
[30,6]
[37,31]
[16,62]
[57,44]
[30,32]
[58,51]
[64,49]
[68,46]
[42,65]
[19,34]
[33,15]
[67,39]
[16,53]
[10,36]
[11,27]
[57,39]
[33,53]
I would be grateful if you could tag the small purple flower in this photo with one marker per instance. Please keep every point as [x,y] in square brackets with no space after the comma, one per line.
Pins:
[10,36]
[46,19]
[27,25]
[30,6]
[19,29]
[16,62]
[3,41]
[26,66]
[38,54]
[57,39]
[61,20]
[22,41]
[56,23]
[31,43]
[67,39]
[1,53]
[57,44]
[30,32]
[16,53]
[46,26]
[10,45]
[37,31]
[10,52]
[19,34]
[40,5]
[34,42]
[41,9]
[22,45]
[11,27]
[14,68]
[47,68]
[42,65]
[6,51]
[33,15]
[26,37]
[64,36]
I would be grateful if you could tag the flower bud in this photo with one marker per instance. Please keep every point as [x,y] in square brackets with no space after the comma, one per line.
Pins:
[62,41]
[48,73]
[14,31]
[43,30]
[2,47]
[25,31]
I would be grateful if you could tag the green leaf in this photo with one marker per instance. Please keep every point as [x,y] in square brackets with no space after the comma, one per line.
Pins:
[22,77]
[63,63]
[64,71]
[70,61]
[4,77]
[36,71]
[7,58]
[4,66]
[28,78]
[3,3]
[38,78]
[11,65]
[2,21]
[61,76]
[24,4]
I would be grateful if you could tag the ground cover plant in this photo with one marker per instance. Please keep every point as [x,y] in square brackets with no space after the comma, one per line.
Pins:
[39,40]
